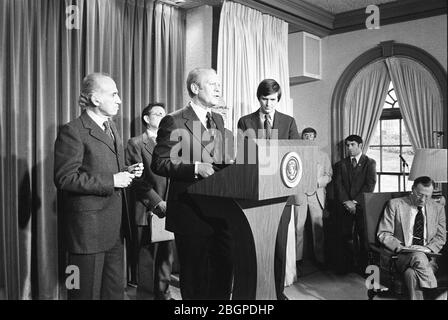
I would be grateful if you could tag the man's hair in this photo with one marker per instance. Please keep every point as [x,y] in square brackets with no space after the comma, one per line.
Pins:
[90,85]
[353,137]
[268,87]
[147,110]
[309,130]
[193,77]
[424,181]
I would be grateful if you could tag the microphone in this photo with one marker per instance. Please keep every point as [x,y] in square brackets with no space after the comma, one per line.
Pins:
[404,161]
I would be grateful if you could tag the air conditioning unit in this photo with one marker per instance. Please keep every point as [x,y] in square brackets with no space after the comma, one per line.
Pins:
[305,57]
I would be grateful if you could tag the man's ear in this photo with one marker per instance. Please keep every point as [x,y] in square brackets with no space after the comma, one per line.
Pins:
[95,100]
[146,118]
[194,87]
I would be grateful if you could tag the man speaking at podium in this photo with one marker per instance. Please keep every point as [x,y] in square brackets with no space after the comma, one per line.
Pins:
[203,243]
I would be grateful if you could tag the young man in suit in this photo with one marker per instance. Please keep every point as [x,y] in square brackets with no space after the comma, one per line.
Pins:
[154,260]
[185,152]
[354,175]
[268,123]
[413,226]
[314,202]
[90,172]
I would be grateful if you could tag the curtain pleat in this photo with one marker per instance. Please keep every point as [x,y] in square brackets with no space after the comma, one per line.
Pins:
[42,63]
[364,100]
[420,100]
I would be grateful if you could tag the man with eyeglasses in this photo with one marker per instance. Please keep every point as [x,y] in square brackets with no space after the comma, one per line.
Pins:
[415,226]
[154,259]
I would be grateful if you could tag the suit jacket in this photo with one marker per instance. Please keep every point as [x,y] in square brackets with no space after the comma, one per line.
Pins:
[286,128]
[150,189]
[180,144]
[85,160]
[393,230]
[351,183]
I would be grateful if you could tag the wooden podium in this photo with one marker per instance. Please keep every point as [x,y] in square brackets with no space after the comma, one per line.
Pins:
[251,195]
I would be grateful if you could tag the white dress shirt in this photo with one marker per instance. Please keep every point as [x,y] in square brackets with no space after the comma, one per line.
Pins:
[98,119]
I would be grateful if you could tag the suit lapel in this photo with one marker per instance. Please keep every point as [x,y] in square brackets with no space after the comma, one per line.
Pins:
[96,132]
[190,119]
[149,143]
[430,220]
[257,124]
[405,216]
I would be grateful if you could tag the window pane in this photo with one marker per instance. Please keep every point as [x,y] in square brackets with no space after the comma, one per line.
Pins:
[408,155]
[389,183]
[376,135]
[391,132]
[405,136]
[391,159]
[374,153]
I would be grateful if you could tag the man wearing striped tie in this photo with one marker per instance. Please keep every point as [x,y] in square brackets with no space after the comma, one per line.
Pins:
[415,226]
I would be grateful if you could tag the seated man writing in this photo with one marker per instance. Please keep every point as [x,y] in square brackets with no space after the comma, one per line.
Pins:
[413,226]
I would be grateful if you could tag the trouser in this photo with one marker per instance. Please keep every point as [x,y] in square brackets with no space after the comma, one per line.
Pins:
[280,251]
[155,261]
[101,275]
[418,273]
[206,263]
[312,204]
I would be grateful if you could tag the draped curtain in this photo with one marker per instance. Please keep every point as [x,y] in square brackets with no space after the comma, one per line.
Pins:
[42,62]
[251,47]
[420,100]
[364,101]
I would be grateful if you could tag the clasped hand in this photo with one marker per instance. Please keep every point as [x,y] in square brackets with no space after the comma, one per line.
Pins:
[124,179]
[350,206]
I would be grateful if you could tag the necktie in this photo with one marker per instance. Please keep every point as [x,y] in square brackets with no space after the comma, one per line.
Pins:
[267,126]
[418,228]
[108,130]
[354,163]
[210,123]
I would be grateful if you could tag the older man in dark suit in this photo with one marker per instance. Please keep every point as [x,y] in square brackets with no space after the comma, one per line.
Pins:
[268,123]
[354,175]
[90,172]
[155,259]
[188,149]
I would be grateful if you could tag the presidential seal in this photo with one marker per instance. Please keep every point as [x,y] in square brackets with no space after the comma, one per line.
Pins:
[291,169]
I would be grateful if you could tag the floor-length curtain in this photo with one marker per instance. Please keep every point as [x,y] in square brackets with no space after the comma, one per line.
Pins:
[251,47]
[364,101]
[420,100]
[42,62]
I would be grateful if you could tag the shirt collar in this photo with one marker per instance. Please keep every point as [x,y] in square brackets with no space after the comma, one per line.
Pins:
[357,157]
[263,115]
[98,119]
[151,134]
[201,112]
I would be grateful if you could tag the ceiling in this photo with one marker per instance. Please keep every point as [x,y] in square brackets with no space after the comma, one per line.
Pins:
[339,6]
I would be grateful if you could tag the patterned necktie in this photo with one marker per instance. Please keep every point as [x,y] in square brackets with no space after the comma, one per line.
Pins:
[418,228]
[354,163]
[108,130]
[267,126]
[210,123]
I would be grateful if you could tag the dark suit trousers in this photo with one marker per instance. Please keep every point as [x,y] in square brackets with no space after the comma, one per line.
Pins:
[351,250]
[206,263]
[155,262]
[101,274]
[280,251]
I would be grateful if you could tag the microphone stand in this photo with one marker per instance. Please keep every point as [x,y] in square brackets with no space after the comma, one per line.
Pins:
[404,164]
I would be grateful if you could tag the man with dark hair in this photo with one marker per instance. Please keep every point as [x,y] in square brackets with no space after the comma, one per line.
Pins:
[314,202]
[90,172]
[353,176]
[154,260]
[268,123]
[414,226]
[186,152]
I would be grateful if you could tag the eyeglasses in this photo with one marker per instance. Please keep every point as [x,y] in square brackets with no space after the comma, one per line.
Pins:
[158,114]
[420,196]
